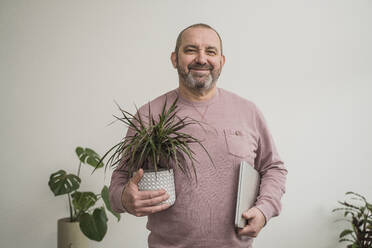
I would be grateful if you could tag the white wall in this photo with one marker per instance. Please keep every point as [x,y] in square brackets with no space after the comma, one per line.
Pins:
[306,64]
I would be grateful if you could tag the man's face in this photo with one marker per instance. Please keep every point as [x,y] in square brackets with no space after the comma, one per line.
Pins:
[199,60]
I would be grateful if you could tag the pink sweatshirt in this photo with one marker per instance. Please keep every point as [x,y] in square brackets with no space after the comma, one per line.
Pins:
[203,214]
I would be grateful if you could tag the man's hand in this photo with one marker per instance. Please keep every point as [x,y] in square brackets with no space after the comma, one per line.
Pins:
[256,220]
[142,203]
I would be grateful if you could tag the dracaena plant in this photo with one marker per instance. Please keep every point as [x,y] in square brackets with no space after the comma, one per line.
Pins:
[359,214]
[92,221]
[156,142]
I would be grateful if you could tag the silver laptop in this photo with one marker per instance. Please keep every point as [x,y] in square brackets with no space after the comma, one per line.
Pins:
[249,185]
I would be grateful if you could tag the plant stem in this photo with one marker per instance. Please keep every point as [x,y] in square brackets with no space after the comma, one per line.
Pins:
[78,215]
[69,203]
[78,174]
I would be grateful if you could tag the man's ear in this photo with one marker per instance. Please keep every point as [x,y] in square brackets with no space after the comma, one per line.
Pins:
[223,59]
[174,59]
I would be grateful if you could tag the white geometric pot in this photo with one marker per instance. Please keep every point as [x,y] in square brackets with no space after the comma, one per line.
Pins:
[162,179]
[70,235]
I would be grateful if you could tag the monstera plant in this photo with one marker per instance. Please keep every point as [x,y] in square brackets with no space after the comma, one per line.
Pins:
[92,221]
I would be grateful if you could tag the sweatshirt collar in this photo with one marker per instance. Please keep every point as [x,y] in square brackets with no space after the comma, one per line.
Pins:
[198,103]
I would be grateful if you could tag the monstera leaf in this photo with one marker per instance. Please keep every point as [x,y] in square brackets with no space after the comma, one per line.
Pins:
[105,197]
[82,201]
[60,183]
[94,226]
[88,156]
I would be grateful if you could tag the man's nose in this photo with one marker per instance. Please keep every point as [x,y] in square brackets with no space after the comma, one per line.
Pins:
[201,58]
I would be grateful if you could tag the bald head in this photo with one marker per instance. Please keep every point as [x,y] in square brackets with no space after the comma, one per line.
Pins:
[198,25]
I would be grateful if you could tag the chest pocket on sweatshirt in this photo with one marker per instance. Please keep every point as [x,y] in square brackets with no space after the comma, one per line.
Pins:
[238,142]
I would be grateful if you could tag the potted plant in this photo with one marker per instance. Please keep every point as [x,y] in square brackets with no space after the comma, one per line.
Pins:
[157,146]
[359,215]
[84,222]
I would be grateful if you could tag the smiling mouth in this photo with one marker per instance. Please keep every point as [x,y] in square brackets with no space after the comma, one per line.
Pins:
[199,69]
[200,72]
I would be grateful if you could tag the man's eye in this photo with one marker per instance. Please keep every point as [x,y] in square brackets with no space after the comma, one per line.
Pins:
[189,50]
[211,52]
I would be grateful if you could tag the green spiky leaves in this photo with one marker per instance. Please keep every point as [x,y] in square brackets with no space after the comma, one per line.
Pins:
[359,214]
[155,142]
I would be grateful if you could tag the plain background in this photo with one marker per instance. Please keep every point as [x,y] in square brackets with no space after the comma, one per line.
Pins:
[306,64]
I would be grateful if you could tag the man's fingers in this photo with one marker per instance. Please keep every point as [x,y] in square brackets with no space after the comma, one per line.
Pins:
[149,194]
[248,231]
[137,176]
[249,214]
[150,210]
[141,203]
[256,220]
[153,201]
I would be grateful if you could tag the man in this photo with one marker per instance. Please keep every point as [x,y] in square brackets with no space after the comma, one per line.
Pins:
[203,215]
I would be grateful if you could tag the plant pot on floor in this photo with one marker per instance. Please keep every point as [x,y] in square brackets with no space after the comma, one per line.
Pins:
[70,235]
[162,179]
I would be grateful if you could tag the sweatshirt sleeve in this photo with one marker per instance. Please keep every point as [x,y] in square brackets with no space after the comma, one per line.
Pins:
[271,169]
[119,179]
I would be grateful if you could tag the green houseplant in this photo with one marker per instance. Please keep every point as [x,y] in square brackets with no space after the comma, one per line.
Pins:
[359,214]
[157,145]
[92,222]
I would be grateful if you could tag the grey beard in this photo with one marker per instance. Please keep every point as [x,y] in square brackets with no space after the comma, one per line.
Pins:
[196,84]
